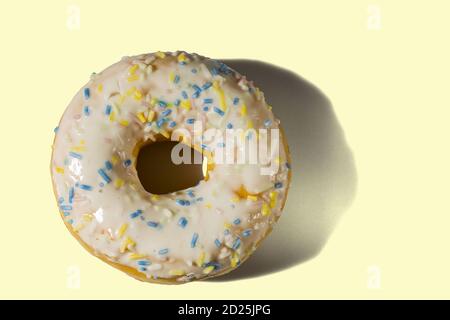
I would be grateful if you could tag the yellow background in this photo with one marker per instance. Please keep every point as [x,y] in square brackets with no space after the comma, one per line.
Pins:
[389,89]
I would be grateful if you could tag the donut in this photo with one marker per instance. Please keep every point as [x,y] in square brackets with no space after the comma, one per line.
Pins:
[196,233]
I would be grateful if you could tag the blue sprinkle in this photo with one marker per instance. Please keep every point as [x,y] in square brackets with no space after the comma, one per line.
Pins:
[216,265]
[246,232]
[190,121]
[193,70]
[103,174]
[196,88]
[182,222]
[71,194]
[87,93]
[196,94]
[65,208]
[194,240]
[70,221]
[236,244]
[108,165]
[162,104]
[143,263]
[177,79]
[61,200]
[205,108]
[184,94]
[180,202]
[108,109]
[166,112]
[267,123]
[135,214]
[160,122]
[177,102]
[56,129]
[66,214]
[85,187]
[190,193]
[199,199]
[217,243]
[127,163]
[206,86]
[187,203]
[208,100]
[163,251]
[172,124]
[278,185]
[235,101]
[75,155]
[219,111]
[229,125]
[153,224]
[226,232]
[204,146]
[237,221]
[86,111]
[214,71]
[142,269]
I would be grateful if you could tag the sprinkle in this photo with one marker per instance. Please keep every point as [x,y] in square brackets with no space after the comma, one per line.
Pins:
[56,129]
[135,214]
[217,243]
[194,240]
[162,104]
[229,125]
[114,159]
[190,121]
[103,174]
[143,263]
[196,88]
[244,110]
[141,117]
[127,163]
[137,95]
[237,221]
[100,87]
[221,94]
[153,224]
[86,110]
[128,243]
[61,200]
[184,94]
[205,108]
[66,214]
[108,165]
[164,133]
[208,100]
[59,170]
[133,69]
[214,71]
[246,232]
[163,251]
[182,222]
[108,109]
[75,155]
[267,123]
[219,111]
[235,101]
[234,260]
[87,93]
[124,123]
[118,183]
[65,208]
[70,221]
[122,230]
[133,78]
[176,79]
[207,85]
[136,256]
[265,210]
[182,202]
[273,199]
[177,102]
[252,197]
[278,185]
[151,115]
[160,122]
[208,269]
[193,70]
[166,112]
[85,187]
[236,244]
[160,54]
[172,124]
[201,259]
[182,58]
[71,194]
[176,272]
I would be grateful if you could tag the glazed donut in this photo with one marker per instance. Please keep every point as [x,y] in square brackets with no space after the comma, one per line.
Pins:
[196,233]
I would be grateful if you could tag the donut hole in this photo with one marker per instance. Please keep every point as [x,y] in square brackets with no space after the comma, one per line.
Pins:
[157,172]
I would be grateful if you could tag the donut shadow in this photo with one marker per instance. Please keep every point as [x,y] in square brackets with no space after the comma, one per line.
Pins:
[324,177]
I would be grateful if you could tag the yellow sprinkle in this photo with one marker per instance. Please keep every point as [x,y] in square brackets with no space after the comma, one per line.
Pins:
[250,124]
[87,217]
[208,269]
[172,76]
[59,170]
[277,160]
[235,199]
[141,117]
[130,91]
[164,133]
[112,116]
[78,149]
[244,110]
[123,228]
[133,77]
[133,69]
[201,259]
[208,205]
[100,87]
[221,94]
[252,198]
[124,123]
[234,259]
[176,272]
[265,210]
[137,95]
[136,256]
[227,225]
[153,101]
[273,199]
[160,54]
[186,104]
[118,183]
[269,107]
[127,244]
[151,115]
[181,57]
[155,197]
[114,159]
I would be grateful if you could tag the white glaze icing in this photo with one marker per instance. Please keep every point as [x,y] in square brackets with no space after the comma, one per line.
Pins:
[102,125]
